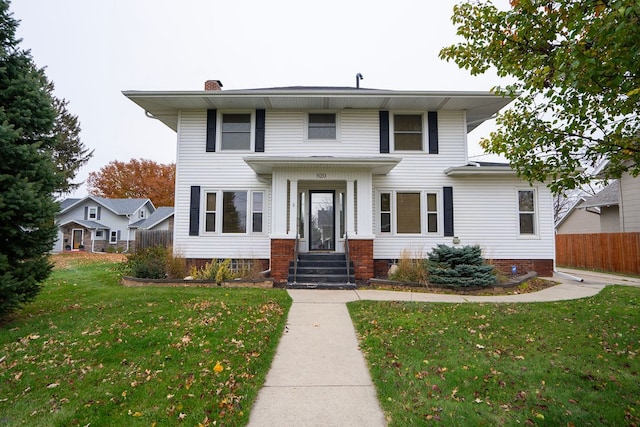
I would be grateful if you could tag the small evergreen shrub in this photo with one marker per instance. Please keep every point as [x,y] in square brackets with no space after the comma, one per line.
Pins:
[148,263]
[155,263]
[459,267]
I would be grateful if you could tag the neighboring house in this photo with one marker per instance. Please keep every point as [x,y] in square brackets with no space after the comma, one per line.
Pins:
[260,170]
[614,209]
[579,219]
[96,224]
[161,219]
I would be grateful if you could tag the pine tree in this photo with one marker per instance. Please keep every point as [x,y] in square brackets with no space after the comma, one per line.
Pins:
[28,176]
[459,267]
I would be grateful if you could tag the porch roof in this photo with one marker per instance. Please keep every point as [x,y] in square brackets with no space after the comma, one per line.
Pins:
[264,165]
[90,225]
[480,168]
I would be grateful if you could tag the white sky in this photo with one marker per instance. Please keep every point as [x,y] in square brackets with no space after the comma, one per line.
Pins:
[93,50]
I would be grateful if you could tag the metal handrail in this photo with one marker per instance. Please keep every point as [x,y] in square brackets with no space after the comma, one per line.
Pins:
[346,253]
[295,258]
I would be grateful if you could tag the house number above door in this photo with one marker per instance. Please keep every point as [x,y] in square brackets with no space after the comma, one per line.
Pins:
[321,175]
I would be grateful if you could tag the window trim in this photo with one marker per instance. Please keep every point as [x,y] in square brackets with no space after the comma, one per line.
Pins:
[424,226]
[338,137]
[252,130]
[94,210]
[219,211]
[536,225]
[112,234]
[392,131]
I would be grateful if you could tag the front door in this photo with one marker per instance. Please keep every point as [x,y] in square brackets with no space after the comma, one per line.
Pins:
[322,219]
[77,239]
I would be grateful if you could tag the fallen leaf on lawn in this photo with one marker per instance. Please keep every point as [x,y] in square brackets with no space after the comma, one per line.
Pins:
[53,385]
[218,368]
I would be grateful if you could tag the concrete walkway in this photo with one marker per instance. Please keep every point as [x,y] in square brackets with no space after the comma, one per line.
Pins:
[319,376]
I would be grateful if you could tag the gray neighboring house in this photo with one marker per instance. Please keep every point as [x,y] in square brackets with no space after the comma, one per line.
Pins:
[615,209]
[160,219]
[95,224]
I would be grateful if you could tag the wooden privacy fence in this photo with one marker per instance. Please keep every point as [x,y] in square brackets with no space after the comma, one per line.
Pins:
[618,252]
[151,238]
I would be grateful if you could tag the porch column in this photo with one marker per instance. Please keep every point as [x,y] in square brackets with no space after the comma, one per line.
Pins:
[293,208]
[279,205]
[351,203]
[365,209]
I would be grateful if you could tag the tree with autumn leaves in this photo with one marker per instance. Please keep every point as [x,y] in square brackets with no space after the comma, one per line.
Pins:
[135,179]
[577,74]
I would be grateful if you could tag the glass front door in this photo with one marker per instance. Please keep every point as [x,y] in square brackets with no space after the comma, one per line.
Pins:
[322,220]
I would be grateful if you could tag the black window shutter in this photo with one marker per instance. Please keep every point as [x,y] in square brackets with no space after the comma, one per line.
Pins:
[98,215]
[384,131]
[86,213]
[260,122]
[211,130]
[448,210]
[118,235]
[432,122]
[194,211]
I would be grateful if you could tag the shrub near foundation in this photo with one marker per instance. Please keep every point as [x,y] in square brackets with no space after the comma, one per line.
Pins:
[155,263]
[459,267]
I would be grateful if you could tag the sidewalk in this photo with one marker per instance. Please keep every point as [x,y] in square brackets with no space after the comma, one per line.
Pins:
[319,376]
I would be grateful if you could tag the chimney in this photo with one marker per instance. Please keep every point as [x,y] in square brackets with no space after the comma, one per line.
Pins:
[213,85]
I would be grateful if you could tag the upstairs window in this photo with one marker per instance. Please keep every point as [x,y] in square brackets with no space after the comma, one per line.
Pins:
[93,212]
[236,132]
[407,132]
[322,126]
[526,212]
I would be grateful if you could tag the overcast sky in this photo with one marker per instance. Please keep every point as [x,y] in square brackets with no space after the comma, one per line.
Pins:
[93,50]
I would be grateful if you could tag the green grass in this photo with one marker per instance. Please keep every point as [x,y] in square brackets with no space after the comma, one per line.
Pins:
[89,351]
[570,363]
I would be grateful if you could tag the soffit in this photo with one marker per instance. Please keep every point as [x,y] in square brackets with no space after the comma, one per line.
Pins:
[165,106]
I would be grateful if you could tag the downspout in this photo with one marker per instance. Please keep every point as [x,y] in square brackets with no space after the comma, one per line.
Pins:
[568,276]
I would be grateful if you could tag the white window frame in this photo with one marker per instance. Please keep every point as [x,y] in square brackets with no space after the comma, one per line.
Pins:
[113,237]
[141,213]
[252,136]
[392,132]
[220,213]
[536,226]
[92,213]
[423,212]
[100,233]
[338,137]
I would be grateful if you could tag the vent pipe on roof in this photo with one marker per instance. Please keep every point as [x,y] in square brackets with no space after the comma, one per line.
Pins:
[359,77]
[213,85]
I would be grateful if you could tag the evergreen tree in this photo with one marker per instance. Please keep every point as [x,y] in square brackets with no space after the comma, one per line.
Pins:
[28,175]
[459,267]
[68,151]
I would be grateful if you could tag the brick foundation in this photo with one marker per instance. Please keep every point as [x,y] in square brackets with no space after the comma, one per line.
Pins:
[282,251]
[544,267]
[361,254]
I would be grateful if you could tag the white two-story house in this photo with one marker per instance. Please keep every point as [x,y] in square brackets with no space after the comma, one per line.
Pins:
[268,173]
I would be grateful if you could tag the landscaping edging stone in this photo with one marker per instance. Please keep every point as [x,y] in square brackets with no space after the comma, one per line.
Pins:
[159,283]
[511,283]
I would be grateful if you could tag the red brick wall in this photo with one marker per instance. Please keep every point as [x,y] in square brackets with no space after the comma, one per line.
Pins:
[544,267]
[361,253]
[282,251]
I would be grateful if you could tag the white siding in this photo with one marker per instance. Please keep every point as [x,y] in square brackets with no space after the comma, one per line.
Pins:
[485,208]
[485,214]
[213,171]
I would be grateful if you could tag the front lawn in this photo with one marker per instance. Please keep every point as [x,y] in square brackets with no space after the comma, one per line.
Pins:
[570,363]
[91,352]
